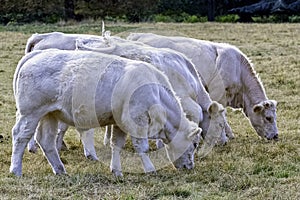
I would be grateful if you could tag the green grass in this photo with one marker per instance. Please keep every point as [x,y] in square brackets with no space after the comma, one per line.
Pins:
[246,168]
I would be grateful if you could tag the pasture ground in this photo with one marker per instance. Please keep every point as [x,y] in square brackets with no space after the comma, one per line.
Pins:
[246,168]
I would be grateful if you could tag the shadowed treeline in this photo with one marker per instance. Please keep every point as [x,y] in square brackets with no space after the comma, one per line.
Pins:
[27,11]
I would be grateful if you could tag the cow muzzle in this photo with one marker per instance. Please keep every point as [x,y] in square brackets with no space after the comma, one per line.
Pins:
[273,137]
[179,165]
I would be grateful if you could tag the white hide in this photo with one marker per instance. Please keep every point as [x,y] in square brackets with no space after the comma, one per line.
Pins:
[182,74]
[61,41]
[87,90]
[227,74]
[55,40]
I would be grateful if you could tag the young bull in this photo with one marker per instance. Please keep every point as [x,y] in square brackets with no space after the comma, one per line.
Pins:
[228,76]
[86,90]
[61,41]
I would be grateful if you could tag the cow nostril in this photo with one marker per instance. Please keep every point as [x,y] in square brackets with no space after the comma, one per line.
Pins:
[269,119]
[276,138]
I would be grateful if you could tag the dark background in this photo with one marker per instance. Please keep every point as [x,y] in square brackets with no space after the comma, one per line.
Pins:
[26,11]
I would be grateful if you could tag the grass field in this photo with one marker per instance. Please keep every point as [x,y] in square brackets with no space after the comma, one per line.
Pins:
[246,168]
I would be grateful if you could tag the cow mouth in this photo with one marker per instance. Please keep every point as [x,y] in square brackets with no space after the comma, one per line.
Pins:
[271,136]
[185,166]
[275,138]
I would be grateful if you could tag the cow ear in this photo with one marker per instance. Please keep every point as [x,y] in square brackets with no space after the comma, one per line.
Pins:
[258,108]
[213,108]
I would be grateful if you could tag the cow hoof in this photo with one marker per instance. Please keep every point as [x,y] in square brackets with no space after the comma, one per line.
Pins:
[60,173]
[151,172]
[91,157]
[59,170]
[117,173]
[15,171]
[33,150]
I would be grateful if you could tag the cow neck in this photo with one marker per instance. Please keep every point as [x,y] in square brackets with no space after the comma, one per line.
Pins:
[252,90]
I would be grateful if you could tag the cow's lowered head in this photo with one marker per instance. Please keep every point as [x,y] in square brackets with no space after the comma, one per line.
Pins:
[263,119]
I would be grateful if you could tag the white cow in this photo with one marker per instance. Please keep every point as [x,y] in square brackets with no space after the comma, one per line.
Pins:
[181,73]
[59,40]
[228,76]
[88,89]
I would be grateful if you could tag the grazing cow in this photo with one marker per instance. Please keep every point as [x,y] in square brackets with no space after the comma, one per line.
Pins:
[88,89]
[182,75]
[228,76]
[59,40]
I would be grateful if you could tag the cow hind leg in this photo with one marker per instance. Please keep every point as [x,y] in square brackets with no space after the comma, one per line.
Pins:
[118,140]
[60,144]
[87,138]
[107,134]
[46,138]
[22,132]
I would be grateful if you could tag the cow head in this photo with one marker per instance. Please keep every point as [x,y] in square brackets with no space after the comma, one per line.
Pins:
[182,148]
[213,124]
[263,119]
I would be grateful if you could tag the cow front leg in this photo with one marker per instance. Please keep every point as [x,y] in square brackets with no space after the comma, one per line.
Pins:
[118,140]
[141,146]
[22,132]
[46,138]
[87,138]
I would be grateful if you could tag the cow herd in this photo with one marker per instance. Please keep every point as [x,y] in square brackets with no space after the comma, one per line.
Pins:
[173,90]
